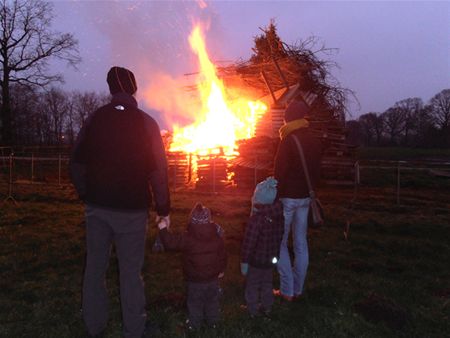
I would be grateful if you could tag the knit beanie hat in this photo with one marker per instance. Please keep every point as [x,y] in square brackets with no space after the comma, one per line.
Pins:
[296,110]
[265,191]
[121,80]
[200,215]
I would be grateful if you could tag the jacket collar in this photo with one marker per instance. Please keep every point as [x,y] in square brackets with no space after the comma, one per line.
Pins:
[125,99]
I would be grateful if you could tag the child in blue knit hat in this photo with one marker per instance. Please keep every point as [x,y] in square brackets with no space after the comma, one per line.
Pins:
[261,246]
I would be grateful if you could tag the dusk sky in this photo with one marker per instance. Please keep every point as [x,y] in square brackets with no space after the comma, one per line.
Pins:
[387,50]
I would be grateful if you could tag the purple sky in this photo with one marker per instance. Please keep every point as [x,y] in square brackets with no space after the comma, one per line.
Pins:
[387,50]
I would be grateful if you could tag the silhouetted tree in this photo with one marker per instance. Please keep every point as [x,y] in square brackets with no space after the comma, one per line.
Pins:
[354,132]
[55,106]
[86,103]
[394,124]
[366,125]
[25,106]
[410,110]
[26,46]
[440,108]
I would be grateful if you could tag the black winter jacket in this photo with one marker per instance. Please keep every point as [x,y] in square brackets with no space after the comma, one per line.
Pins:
[288,166]
[204,256]
[119,151]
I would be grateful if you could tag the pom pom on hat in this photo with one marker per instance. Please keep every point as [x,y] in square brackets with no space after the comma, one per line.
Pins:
[296,110]
[200,215]
[265,191]
[121,80]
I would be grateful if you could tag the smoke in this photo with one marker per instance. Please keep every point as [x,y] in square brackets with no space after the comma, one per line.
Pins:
[151,39]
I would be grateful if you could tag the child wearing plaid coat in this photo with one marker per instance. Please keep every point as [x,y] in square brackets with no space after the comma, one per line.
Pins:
[261,246]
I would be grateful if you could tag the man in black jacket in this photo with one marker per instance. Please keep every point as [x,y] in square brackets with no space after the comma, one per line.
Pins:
[294,194]
[118,152]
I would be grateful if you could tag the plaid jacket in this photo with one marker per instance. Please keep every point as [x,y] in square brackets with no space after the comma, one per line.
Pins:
[263,235]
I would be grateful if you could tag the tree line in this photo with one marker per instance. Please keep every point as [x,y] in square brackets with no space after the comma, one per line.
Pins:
[409,122]
[50,117]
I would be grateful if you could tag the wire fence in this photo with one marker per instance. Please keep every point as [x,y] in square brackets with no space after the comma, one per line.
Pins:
[52,170]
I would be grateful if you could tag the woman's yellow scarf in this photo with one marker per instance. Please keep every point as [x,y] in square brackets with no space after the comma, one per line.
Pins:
[289,127]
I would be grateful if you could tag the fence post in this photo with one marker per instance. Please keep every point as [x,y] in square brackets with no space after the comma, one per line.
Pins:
[398,182]
[175,173]
[10,183]
[32,168]
[357,181]
[59,169]
[214,174]
[255,175]
[189,169]
[10,174]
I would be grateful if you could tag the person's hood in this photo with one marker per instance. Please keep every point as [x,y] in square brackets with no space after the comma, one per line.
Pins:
[124,99]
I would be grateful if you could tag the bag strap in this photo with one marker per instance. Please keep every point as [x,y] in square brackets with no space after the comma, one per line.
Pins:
[305,167]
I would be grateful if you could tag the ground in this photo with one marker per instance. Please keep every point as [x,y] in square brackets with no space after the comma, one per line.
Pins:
[390,277]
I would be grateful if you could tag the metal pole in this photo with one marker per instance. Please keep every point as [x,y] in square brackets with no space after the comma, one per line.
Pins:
[255,178]
[175,173]
[357,181]
[214,175]
[10,175]
[189,168]
[398,182]
[32,168]
[59,169]
[10,188]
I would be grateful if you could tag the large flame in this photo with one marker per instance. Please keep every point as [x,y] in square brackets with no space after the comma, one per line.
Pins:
[221,121]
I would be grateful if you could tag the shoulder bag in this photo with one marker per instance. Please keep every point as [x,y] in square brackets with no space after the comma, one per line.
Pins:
[316,214]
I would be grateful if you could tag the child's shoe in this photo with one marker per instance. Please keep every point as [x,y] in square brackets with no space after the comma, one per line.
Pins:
[267,314]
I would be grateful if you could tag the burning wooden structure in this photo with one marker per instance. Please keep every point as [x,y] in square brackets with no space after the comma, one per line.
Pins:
[275,75]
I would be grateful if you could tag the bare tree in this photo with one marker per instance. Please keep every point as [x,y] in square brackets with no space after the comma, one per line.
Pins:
[25,105]
[354,133]
[410,110]
[26,46]
[85,104]
[55,107]
[440,109]
[394,124]
[366,127]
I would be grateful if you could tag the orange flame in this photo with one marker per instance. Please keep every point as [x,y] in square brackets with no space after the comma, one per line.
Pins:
[220,121]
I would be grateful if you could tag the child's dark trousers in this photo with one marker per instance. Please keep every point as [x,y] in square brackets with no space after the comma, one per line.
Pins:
[258,289]
[203,303]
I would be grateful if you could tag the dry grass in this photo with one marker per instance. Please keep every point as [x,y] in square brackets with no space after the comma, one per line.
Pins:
[390,278]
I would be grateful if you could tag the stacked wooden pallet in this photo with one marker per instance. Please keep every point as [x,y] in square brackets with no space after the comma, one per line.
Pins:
[339,157]
[212,173]
[179,169]
[254,163]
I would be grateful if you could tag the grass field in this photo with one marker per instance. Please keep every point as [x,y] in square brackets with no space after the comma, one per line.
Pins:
[391,278]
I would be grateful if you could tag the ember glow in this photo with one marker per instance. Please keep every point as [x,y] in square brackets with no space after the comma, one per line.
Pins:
[221,120]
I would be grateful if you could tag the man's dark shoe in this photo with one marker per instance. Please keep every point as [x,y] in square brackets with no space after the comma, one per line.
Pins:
[151,329]
[98,335]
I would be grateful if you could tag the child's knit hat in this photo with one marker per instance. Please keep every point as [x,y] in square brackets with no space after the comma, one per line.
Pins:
[200,215]
[265,192]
